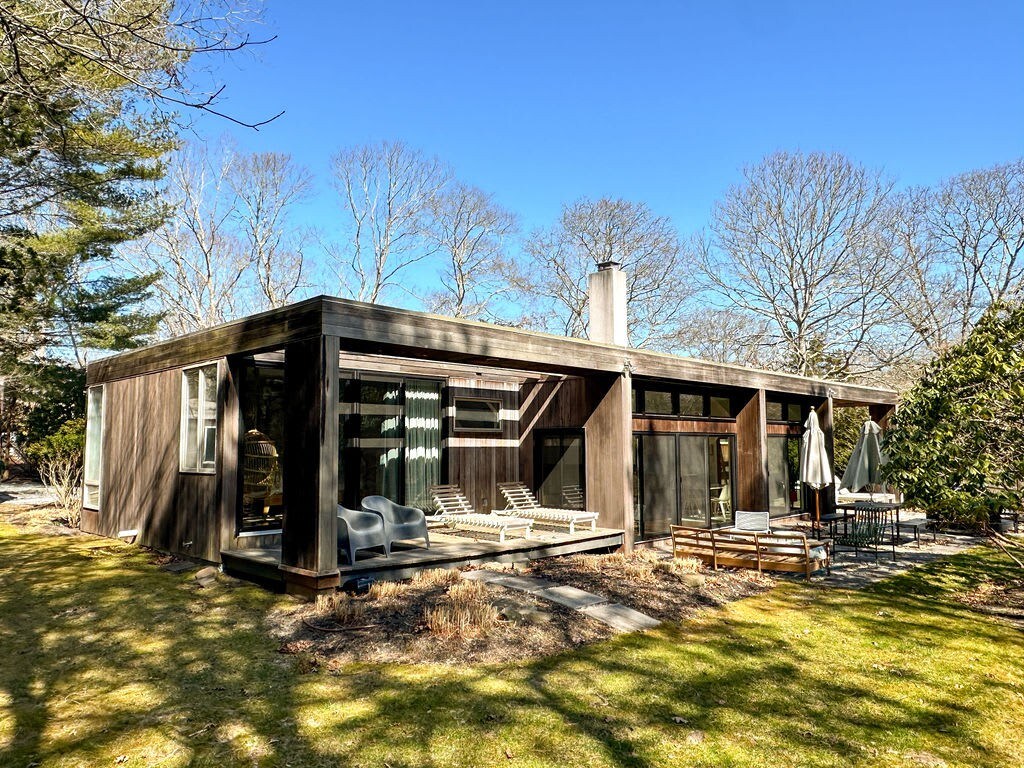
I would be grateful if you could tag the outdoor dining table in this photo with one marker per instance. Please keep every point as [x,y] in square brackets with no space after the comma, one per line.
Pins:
[892,508]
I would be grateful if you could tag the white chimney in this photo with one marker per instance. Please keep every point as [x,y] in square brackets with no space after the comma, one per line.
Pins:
[607,290]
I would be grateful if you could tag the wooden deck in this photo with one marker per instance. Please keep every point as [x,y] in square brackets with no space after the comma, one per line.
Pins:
[447,550]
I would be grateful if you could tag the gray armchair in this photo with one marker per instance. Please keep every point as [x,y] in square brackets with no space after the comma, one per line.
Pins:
[360,530]
[400,523]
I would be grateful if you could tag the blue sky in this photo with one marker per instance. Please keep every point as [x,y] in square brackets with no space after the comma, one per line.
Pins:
[544,102]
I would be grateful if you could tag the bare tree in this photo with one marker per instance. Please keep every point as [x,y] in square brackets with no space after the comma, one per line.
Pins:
[801,247]
[471,231]
[960,248]
[202,260]
[593,231]
[387,190]
[267,186]
[722,336]
[152,48]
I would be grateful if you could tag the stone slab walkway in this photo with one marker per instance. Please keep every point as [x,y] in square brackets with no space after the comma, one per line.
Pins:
[615,615]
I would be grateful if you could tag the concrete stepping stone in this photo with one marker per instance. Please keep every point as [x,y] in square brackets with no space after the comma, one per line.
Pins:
[618,616]
[615,615]
[571,597]
[522,583]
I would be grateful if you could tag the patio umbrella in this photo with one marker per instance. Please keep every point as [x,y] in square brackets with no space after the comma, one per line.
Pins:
[867,459]
[815,468]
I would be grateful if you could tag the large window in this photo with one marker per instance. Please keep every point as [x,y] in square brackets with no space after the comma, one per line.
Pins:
[682,480]
[261,399]
[199,419]
[390,439]
[784,496]
[93,448]
[561,478]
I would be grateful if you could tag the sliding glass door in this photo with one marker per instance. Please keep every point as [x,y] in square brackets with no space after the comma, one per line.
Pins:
[783,475]
[390,439]
[683,480]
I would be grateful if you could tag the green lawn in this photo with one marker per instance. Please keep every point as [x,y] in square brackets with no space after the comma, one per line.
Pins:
[106,660]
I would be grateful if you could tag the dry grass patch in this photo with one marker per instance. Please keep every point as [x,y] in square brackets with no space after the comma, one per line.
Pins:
[650,581]
[465,612]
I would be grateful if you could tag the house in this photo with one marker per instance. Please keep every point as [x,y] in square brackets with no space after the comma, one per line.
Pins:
[243,438]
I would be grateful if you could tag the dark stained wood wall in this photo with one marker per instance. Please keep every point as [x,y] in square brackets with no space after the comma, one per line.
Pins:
[478,461]
[309,543]
[752,454]
[556,403]
[141,486]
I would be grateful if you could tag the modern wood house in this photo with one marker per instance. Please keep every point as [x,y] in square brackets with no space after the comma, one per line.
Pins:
[236,444]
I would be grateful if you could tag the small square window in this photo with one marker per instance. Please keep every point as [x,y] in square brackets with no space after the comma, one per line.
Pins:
[773,410]
[794,412]
[658,402]
[691,405]
[721,407]
[477,415]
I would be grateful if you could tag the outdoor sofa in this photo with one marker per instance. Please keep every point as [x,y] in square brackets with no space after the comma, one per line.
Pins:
[729,548]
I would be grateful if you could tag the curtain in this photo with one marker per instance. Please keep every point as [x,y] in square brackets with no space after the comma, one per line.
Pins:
[422,441]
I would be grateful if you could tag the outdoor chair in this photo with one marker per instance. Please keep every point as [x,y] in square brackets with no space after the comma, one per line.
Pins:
[756,522]
[359,530]
[868,530]
[455,511]
[522,503]
[400,523]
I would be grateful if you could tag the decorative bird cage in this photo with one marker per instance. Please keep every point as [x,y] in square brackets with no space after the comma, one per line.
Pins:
[261,470]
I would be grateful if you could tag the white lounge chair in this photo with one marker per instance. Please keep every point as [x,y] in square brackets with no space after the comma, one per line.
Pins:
[754,522]
[455,511]
[522,502]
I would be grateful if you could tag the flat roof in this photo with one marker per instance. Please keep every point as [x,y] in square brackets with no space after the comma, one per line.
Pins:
[375,329]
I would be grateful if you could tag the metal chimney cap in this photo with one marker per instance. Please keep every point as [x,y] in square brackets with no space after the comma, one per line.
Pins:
[602,266]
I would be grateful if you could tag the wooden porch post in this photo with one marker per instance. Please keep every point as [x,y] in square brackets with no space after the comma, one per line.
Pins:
[309,546]
[752,455]
[609,452]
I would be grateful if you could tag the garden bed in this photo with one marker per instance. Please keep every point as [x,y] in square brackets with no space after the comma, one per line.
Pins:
[393,622]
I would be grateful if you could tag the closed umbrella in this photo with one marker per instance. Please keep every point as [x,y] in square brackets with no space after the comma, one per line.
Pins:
[815,467]
[867,459]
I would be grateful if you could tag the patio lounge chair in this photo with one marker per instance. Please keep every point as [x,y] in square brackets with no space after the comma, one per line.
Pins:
[456,512]
[755,522]
[359,530]
[400,523]
[524,504]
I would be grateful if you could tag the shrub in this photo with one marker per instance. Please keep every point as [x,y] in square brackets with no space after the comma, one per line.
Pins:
[437,577]
[679,565]
[58,459]
[956,444]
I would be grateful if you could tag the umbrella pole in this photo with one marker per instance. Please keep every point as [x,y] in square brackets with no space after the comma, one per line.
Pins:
[817,511]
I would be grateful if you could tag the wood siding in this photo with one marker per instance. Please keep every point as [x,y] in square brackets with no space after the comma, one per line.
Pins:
[478,461]
[752,455]
[141,487]
[373,329]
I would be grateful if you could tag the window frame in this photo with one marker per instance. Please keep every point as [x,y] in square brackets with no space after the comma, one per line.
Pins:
[200,433]
[497,429]
[677,394]
[85,454]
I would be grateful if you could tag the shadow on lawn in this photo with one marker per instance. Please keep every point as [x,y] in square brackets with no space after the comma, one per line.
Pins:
[106,655]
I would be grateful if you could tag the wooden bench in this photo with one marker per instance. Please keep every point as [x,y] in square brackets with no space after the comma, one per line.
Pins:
[763,551]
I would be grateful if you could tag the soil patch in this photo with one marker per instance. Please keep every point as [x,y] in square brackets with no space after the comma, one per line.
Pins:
[38,518]
[390,625]
[669,589]
[1003,600]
